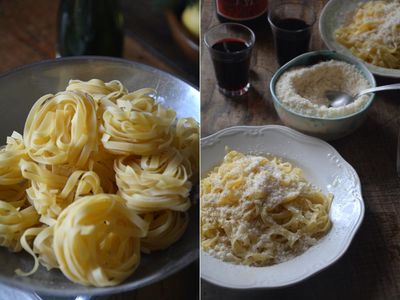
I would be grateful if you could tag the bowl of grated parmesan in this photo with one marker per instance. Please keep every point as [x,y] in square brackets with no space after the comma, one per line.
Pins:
[298,93]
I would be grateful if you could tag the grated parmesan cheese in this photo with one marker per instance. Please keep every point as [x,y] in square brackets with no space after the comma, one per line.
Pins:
[372,33]
[266,184]
[303,89]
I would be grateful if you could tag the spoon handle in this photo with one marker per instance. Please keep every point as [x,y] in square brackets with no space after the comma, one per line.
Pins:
[395,86]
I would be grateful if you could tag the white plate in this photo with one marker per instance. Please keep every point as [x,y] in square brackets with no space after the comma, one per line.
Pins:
[324,167]
[334,14]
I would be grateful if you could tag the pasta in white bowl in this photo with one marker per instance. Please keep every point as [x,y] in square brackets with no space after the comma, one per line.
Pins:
[260,211]
[322,166]
[338,13]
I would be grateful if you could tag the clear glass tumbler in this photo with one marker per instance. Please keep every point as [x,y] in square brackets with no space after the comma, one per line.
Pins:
[230,46]
[291,23]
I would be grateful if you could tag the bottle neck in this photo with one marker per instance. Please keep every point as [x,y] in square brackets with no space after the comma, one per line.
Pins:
[91,27]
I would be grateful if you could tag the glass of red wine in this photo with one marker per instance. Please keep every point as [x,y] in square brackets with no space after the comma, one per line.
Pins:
[230,46]
[291,23]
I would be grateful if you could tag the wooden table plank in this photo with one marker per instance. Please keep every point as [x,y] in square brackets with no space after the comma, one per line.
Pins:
[28,32]
[370,268]
[145,21]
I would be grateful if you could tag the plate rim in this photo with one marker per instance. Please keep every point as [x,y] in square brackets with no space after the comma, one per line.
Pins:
[93,58]
[185,260]
[376,70]
[286,130]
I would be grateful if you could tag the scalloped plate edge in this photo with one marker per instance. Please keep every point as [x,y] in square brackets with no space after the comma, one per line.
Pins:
[214,138]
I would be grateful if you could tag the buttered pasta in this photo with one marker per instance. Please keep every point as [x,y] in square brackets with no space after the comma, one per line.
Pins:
[260,211]
[373,33]
[99,175]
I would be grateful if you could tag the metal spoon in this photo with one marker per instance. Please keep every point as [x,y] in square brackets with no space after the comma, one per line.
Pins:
[338,98]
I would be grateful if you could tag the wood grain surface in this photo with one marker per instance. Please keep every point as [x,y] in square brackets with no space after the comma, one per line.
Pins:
[370,269]
[28,34]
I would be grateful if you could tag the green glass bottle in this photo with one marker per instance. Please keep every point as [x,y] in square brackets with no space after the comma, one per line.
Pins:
[90,27]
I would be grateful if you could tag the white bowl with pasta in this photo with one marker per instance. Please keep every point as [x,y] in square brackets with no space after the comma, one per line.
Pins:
[337,13]
[322,166]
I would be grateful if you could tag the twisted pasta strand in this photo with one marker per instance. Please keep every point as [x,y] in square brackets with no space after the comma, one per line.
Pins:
[42,250]
[10,156]
[50,192]
[166,227]
[13,223]
[136,124]
[153,183]
[187,141]
[97,240]
[62,129]
[98,88]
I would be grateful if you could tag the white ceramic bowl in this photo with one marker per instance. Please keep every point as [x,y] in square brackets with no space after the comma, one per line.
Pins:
[323,166]
[334,15]
[325,128]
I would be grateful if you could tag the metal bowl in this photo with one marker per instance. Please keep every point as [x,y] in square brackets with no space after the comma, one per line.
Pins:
[20,88]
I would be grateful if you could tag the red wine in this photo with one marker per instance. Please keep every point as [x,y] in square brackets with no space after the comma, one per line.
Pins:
[231,58]
[248,12]
[292,38]
[230,45]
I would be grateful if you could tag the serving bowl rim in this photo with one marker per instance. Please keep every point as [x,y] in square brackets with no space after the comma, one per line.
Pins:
[338,56]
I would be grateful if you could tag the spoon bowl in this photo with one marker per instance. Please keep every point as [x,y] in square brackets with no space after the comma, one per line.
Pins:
[338,98]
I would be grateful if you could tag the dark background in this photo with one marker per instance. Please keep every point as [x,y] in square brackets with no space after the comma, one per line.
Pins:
[28,34]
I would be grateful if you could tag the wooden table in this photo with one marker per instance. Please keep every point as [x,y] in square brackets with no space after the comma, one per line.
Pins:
[370,269]
[28,34]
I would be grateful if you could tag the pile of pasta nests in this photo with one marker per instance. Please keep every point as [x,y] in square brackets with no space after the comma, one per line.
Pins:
[99,175]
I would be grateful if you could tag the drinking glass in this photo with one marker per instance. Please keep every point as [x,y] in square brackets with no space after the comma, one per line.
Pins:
[230,46]
[291,23]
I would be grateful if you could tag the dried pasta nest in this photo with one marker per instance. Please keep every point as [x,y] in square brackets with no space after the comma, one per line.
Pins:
[99,175]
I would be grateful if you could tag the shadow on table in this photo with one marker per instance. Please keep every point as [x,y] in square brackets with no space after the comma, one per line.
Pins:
[352,277]
[368,268]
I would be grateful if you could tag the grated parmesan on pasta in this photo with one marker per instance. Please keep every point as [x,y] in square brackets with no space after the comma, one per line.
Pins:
[373,33]
[259,211]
